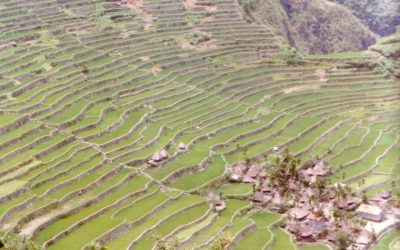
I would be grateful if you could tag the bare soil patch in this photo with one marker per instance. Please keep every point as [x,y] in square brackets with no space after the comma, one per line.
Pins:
[321,74]
[192,4]
[138,6]
[210,44]
[301,88]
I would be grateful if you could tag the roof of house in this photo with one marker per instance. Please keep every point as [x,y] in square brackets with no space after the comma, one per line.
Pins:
[370,209]
[363,238]
[385,194]
[308,171]
[240,166]
[164,153]
[321,168]
[253,171]
[182,146]
[299,213]
[157,156]
[352,199]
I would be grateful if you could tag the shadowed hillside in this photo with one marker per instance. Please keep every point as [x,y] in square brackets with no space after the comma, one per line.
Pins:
[316,26]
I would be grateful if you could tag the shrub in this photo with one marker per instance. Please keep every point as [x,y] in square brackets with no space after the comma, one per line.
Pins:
[14,242]
[199,37]
[290,55]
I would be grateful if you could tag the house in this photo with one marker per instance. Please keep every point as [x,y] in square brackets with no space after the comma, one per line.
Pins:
[261,199]
[317,222]
[263,174]
[238,172]
[397,213]
[293,227]
[306,233]
[164,154]
[370,212]
[305,198]
[252,173]
[182,147]
[155,158]
[299,213]
[277,199]
[378,200]
[293,186]
[321,169]
[308,172]
[217,202]
[363,240]
[266,189]
[385,194]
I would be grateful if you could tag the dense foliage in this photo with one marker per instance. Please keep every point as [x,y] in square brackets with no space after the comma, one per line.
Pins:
[314,26]
[12,242]
[380,16]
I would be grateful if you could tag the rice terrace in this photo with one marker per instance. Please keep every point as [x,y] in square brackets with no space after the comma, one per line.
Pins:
[198,124]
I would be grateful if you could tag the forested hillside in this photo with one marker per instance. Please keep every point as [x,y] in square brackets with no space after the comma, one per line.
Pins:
[381,16]
[312,26]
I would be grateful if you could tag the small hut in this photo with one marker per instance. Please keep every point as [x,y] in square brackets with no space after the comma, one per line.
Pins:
[252,174]
[182,147]
[237,172]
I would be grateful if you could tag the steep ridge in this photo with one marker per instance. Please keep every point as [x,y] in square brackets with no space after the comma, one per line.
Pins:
[316,27]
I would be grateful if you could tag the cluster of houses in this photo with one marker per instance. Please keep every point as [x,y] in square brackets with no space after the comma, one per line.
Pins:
[162,155]
[314,209]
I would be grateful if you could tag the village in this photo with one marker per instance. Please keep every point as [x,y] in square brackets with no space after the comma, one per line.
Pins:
[313,209]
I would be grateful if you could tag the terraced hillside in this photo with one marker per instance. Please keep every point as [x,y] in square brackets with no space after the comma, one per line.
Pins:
[91,89]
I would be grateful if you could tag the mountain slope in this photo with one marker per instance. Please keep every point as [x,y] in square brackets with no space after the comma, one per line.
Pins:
[315,26]
[381,16]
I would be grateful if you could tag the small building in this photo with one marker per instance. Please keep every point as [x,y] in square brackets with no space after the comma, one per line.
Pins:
[164,154]
[370,212]
[155,158]
[299,213]
[321,169]
[397,213]
[252,174]
[237,172]
[182,147]
[292,185]
[266,189]
[306,233]
[385,194]
[363,240]
[317,222]
[217,202]
[293,227]
[261,199]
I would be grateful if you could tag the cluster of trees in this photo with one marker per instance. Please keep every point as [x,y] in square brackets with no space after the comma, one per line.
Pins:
[221,242]
[380,16]
[13,242]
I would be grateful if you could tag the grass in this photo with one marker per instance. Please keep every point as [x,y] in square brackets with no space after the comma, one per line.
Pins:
[386,240]
[282,240]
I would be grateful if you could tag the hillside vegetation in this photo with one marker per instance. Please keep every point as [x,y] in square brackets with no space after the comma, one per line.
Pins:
[389,49]
[117,117]
[381,16]
[312,26]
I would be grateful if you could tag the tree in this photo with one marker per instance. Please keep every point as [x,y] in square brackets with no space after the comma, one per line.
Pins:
[343,240]
[221,242]
[169,244]
[364,197]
